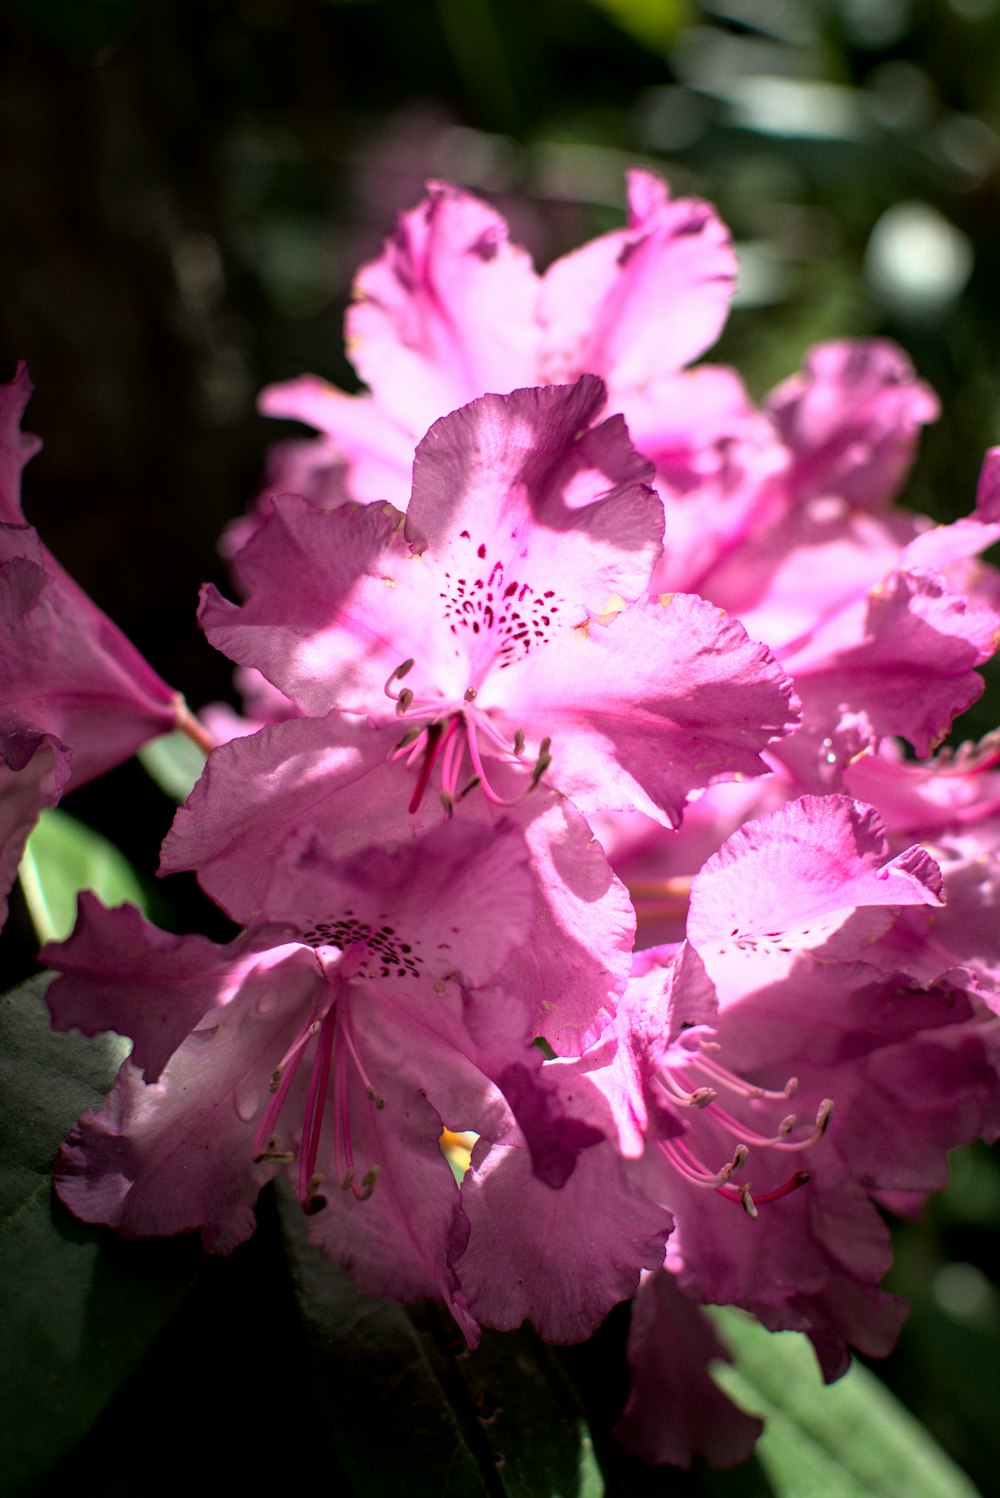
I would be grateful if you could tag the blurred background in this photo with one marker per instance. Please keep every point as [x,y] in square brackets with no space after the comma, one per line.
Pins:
[187,187]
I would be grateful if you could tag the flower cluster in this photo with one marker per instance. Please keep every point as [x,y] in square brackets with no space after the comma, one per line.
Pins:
[599,938]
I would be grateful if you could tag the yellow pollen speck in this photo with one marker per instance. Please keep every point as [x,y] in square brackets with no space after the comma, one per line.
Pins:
[665,600]
[614,606]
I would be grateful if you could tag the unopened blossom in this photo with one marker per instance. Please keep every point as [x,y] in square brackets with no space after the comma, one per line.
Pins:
[76,697]
[503,624]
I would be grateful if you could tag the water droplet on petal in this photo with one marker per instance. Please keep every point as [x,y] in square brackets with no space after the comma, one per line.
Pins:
[247,1100]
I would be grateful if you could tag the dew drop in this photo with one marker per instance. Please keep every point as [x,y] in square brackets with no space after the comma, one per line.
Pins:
[247,1100]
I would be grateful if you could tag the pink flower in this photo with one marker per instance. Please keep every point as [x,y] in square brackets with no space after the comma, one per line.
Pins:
[826,1080]
[492,629]
[76,697]
[338,1040]
[452,310]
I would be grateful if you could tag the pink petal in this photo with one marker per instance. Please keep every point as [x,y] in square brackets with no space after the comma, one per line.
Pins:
[675,1411]
[121,973]
[446,313]
[852,419]
[788,881]
[561,1258]
[526,480]
[641,301]
[667,698]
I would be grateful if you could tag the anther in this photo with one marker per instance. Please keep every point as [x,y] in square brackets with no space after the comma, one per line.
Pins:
[409,737]
[519,742]
[375,1097]
[403,701]
[276,1079]
[471,694]
[397,675]
[368,1184]
[542,762]
[740,1154]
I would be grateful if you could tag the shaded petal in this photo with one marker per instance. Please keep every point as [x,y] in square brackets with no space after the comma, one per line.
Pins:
[675,1411]
[34,769]
[333,776]
[174,1155]
[561,1258]
[397,1240]
[121,973]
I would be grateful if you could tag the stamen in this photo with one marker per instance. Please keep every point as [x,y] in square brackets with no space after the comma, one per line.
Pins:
[451,760]
[487,789]
[312,1122]
[737,1084]
[281,1080]
[699,1098]
[409,737]
[688,1165]
[542,762]
[398,675]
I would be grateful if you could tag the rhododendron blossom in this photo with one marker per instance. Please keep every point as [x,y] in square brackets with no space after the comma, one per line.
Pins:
[340,1039]
[76,697]
[498,623]
[452,310]
[570,815]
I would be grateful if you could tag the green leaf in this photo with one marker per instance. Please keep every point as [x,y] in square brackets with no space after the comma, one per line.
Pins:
[656,24]
[79,1308]
[175,762]
[389,1417]
[411,1410]
[852,1438]
[62,857]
